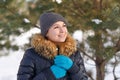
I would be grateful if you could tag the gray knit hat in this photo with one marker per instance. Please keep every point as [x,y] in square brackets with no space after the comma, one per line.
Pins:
[48,19]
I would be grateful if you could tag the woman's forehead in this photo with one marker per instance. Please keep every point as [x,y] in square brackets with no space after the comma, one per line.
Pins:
[58,23]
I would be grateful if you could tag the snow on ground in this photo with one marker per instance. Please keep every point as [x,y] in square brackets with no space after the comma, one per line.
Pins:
[9,64]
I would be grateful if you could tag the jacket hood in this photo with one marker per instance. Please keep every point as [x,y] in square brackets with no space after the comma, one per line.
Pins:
[50,49]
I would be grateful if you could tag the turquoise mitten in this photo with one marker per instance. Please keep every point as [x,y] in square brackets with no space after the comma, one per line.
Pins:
[57,71]
[63,61]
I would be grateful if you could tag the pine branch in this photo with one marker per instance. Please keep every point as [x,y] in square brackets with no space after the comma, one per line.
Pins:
[76,5]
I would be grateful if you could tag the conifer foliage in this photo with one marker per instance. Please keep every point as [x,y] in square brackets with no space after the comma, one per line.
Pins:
[101,16]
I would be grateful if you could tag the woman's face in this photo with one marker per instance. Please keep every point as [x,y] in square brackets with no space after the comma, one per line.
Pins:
[57,32]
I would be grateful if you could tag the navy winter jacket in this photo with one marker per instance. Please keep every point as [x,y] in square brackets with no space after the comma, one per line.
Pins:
[36,62]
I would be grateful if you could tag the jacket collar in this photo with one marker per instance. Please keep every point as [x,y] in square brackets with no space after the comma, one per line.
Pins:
[49,49]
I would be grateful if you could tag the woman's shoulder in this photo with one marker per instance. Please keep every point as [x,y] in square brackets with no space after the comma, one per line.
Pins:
[30,52]
[77,54]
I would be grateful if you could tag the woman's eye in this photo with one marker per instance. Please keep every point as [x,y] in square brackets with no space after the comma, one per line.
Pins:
[64,25]
[55,27]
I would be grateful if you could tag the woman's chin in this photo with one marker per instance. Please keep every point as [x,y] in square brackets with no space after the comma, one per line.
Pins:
[61,40]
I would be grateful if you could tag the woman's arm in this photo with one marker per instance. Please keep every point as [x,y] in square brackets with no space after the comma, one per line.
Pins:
[77,71]
[27,69]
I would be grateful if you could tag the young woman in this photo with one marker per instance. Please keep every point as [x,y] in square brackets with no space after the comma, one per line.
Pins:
[53,55]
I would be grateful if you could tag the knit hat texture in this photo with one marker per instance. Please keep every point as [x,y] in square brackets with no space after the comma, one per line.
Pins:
[48,19]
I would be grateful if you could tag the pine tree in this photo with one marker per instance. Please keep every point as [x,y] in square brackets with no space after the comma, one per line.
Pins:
[80,15]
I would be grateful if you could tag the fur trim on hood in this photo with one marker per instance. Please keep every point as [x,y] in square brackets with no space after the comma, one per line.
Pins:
[49,49]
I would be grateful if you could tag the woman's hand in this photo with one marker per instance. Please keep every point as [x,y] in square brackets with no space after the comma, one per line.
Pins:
[58,71]
[63,62]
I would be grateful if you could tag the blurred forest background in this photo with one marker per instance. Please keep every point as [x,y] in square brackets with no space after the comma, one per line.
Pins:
[102,17]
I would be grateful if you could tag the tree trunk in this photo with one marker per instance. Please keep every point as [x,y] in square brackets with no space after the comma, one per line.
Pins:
[97,4]
[100,68]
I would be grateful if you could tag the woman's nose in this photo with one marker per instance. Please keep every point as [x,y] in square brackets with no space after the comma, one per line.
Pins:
[62,29]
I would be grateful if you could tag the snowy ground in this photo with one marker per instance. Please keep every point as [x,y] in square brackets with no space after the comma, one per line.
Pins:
[9,64]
